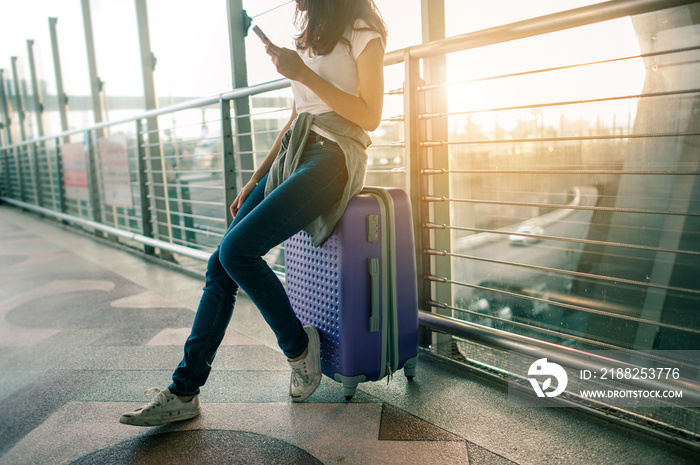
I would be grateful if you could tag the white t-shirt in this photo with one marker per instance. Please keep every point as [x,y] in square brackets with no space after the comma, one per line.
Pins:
[338,68]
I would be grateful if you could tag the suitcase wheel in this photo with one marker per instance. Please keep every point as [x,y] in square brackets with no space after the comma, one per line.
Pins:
[349,391]
[409,368]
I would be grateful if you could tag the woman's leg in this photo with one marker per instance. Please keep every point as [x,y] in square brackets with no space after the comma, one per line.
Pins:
[312,189]
[260,225]
[213,315]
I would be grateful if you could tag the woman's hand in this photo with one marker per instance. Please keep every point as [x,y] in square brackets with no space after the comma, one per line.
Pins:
[240,198]
[264,167]
[288,63]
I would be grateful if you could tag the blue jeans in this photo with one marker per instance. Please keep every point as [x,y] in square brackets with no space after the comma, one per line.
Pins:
[262,223]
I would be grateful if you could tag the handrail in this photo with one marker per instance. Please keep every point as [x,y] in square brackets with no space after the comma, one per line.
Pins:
[533,27]
[185,251]
[566,356]
[194,103]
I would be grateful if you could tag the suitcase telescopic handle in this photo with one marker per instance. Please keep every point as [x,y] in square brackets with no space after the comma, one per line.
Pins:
[373,267]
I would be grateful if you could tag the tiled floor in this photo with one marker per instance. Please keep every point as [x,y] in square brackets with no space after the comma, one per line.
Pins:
[86,328]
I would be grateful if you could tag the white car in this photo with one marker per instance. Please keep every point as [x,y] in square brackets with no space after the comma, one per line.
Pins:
[523,235]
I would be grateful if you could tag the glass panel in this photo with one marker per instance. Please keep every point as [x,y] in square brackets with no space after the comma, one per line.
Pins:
[190,42]
[24,23]
[575,184]
[403,20]
[116,35]
[76,79]
[16,96]
[275,17]
[43,59]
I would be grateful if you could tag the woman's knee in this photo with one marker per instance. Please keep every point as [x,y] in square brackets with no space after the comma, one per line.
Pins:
[214,264]
[217,277]
[234,253]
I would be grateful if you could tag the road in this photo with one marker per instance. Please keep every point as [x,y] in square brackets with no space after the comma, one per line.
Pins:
[546,254]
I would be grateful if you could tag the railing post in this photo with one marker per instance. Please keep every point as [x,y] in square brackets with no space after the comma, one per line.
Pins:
[146,225]
[38,105]
[93,186]
[62,101]
[95,81]
[6,120]
[60,92]
[22,133]
[238,23]
[6,139]
[60,177]
[18,168]
[6,170]
[186,207]
[19,101]
[156,162]
[436,156]
[33,149]
[414,164]
[228,163]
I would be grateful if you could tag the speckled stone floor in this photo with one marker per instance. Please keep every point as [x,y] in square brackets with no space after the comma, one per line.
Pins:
[85,328]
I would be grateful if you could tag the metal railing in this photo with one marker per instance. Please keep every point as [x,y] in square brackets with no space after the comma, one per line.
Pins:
[603,274]
[489,239]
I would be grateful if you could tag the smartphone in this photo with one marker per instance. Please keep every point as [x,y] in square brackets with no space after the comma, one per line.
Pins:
[261,34]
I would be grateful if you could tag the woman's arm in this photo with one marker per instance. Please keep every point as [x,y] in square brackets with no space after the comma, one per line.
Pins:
[263,168]
[365,110]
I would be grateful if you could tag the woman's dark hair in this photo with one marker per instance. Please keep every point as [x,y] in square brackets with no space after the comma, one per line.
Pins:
[324,22]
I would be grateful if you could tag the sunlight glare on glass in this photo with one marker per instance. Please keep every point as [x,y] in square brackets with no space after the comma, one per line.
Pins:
[583,64]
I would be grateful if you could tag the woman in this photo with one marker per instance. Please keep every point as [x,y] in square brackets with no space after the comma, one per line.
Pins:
[317,163]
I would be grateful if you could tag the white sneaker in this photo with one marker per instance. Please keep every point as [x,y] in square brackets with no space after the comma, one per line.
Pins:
[166,407]
[306,373]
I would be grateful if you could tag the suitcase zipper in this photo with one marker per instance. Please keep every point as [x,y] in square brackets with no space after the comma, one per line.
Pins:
[389,324]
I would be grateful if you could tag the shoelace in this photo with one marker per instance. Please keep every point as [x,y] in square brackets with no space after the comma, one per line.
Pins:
[158,400]
[299,373]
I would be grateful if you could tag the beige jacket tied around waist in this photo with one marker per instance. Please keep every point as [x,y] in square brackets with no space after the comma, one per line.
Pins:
[353,141]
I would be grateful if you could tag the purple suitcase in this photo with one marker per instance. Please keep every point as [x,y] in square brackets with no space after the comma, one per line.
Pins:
[359,289]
